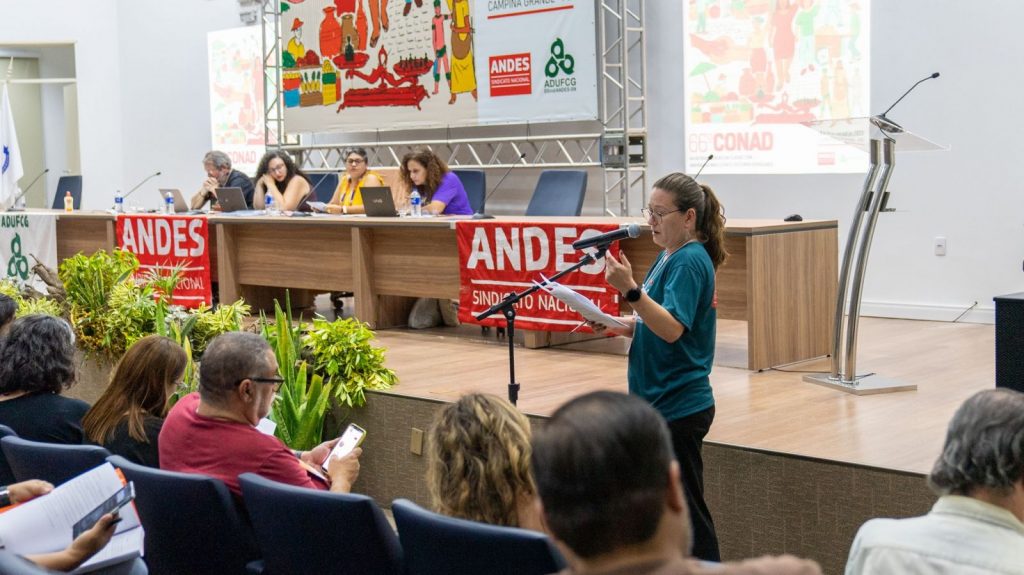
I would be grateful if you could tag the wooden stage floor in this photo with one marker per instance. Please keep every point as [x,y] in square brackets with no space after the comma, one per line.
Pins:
[772,410]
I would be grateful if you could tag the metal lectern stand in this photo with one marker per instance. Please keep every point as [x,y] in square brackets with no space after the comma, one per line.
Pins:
[884,137]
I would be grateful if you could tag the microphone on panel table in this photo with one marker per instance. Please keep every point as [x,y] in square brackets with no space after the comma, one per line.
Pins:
[14,205]
[139,185]
[702,166]
[884,123]
[607,238]
[519,162]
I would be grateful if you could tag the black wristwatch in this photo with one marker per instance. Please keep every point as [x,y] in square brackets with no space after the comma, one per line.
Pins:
[5,497]
[633,295]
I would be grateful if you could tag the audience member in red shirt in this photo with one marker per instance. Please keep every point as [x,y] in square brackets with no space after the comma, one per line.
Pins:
[213,432]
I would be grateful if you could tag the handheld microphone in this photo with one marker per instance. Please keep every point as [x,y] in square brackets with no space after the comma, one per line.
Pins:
[17,198]
[702,166]
[482,216]
[605,239]
[148,178]
[887,125]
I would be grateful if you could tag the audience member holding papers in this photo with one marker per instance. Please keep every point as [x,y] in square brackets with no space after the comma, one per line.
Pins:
[478,463]
[214,432]
[219,174]
[440,190]
[127,418]
[81,548]
[38,363]
[348,198]
[278,176]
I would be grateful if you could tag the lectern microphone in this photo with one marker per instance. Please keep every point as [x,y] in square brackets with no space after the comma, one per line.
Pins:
[887,125]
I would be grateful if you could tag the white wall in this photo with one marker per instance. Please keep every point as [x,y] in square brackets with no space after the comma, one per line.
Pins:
[142,87]
[971,194]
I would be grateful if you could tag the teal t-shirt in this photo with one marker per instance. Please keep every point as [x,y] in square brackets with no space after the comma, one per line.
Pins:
[673,377]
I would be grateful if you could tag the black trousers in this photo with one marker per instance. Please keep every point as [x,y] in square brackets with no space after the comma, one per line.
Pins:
[687,441]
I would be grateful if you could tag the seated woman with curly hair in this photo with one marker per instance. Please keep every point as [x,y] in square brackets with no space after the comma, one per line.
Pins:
[478,463]
[127,418]
[36,365]
[441,190]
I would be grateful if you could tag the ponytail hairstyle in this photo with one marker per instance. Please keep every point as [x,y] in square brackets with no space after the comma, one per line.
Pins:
[687,193]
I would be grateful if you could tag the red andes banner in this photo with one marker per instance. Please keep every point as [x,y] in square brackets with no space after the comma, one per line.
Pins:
[163,242]
[496,258]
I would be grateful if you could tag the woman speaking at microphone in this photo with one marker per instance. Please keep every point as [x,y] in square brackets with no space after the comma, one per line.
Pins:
[673,328]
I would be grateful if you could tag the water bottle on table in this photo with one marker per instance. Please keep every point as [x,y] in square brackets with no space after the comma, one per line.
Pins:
[415,203]
[118,202]
[69,202]
[169,204]
[268,203]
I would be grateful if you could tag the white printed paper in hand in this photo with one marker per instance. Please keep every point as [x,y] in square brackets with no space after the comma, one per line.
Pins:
[580,304]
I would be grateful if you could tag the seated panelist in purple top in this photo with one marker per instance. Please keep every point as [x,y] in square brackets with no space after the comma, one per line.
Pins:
[441,191]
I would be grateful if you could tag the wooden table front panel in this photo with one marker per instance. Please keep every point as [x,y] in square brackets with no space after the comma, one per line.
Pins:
[293,256]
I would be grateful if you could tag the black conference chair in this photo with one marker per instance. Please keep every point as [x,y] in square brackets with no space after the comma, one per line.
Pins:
[192,523]
[558,193]
[475,182]
[67,184]
[6,475]
[438,545]
[302,530]
[51,462]
[323,186]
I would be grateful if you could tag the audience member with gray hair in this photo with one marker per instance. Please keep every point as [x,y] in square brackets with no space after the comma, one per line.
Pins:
[213,432]
[977,525]
[219,174]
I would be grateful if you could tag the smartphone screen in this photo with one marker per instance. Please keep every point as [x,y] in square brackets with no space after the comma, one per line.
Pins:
[350,440]
[116,501]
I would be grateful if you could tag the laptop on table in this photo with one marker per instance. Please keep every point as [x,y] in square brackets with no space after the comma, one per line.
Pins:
[231,200]
[180,207]
[378,203]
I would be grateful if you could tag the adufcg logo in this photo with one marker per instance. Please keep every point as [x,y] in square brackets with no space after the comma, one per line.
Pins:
[559,70]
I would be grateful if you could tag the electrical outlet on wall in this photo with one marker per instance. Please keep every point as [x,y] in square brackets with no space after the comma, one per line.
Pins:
[416,441]
[940,245]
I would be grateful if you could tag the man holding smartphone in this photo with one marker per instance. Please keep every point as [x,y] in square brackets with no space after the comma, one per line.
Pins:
[213,432]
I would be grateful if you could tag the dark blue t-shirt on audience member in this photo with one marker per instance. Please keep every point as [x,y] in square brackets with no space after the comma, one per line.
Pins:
[45,417]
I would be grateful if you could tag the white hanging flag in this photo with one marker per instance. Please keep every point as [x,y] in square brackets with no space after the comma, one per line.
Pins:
[10,162]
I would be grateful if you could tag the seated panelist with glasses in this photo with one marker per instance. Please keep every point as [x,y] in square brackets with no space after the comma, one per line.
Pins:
[214,432]
[219,174]
[348,198]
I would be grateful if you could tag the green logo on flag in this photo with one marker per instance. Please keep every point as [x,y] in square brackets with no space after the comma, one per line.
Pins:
[17,266]
[559,60]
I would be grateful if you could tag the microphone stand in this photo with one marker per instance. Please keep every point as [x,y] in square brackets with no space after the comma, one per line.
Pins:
[507,308]
[14,205]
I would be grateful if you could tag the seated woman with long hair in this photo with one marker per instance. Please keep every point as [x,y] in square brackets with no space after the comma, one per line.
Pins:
[478,463]
[440,190]
[37,363]
[127,418]
[278,176]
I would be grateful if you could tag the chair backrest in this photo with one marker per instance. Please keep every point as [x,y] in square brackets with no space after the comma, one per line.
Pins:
[6,475]
[302,530]
[558,193]
[434,545]
[323,186]
[53,462]
[67,184]
[192,523]
[475,182]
